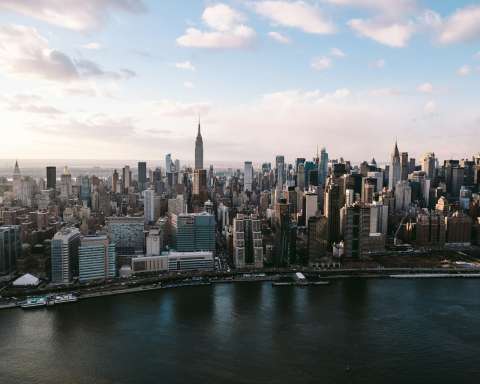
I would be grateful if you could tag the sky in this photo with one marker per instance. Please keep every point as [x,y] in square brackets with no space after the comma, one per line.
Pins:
[129,79]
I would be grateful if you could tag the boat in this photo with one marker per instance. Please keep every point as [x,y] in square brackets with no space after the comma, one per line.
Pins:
[34,302]
[299,283]
[68,298]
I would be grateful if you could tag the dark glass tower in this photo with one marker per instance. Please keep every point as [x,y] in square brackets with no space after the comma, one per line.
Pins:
[51,177]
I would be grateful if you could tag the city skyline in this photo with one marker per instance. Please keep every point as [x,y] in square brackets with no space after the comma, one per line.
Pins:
[117,80]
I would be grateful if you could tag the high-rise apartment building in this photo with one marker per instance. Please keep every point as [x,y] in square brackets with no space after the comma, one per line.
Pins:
[247,242]
[149,206]
[357,230]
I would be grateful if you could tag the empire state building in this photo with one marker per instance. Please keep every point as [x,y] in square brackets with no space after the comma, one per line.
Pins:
[199,149]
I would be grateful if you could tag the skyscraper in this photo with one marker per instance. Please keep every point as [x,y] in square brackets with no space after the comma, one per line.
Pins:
[357,230]
[428,165]
[142,175]
[199,149]
[10,247]
[168,163]
[247,241]
[96,258]
[64,249]
[332,211]
[66,183]
[149,206]
[248,176]
[126,178]
[51,177]
[395,171]
[323,167]
[404,163]
[115,181]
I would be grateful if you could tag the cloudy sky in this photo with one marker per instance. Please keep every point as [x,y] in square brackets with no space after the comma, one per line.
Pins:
[126,79]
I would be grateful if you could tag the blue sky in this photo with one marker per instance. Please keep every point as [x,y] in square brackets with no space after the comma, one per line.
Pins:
[126,79]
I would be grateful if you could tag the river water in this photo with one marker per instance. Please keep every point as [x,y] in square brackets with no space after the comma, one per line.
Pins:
[352,331]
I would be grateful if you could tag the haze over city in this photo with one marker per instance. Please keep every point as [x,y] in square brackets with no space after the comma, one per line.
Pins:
[128,79]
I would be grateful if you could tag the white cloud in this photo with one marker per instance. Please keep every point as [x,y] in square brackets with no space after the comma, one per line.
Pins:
[430,108]
[477,55]
[464,70]
[387,7]
[393,35]
[380,64]
[24,52]
[296,14]
[221,17]
[321,63]
[240,37]
[279,38]
[28,103]
[337,52]
[187,65]
[425,88]
[92,45]
[188,84]
[463,25]
[226,30]
[78,15]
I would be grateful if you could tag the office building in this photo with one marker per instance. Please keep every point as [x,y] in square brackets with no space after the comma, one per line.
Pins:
[66,184]
[115,180]
[332,206]
[395,170]
[404,165]
[428,165]
[174,262]
[248,176]
[154,242]
[199,149]
[127,234]
[10,248]
[51,178]
[403,196]
[311,205]
[142,176]
[193,232]
[64,255]
[96,258]
[126,179]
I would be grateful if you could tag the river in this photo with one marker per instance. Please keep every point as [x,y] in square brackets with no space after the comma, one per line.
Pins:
[352,331]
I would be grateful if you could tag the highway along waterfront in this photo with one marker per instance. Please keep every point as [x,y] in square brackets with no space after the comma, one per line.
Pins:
[351,330]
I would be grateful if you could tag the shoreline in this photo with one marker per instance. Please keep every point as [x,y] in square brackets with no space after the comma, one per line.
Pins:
[184,281]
